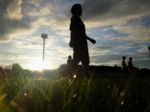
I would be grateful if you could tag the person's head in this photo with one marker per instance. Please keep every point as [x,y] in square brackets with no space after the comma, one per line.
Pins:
[123,57]
[130,59]
[69,57]
[76,10]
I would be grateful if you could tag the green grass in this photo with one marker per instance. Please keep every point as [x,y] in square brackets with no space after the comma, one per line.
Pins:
[19,94]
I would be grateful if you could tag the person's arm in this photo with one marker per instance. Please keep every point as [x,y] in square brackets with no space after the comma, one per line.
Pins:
[91,40]
[88,38]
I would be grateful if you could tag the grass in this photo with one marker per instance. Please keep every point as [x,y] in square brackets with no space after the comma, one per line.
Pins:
[20,94]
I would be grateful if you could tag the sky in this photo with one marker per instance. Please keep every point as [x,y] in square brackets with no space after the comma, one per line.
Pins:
[120,27]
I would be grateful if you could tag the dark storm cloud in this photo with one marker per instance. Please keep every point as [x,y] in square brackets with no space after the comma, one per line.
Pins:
[111,8]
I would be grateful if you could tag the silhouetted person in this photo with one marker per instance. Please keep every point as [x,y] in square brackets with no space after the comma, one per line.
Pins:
[69,61]
[124,67]
[69,65]
[130,63]
[131,68]
[149,50]
[78,39]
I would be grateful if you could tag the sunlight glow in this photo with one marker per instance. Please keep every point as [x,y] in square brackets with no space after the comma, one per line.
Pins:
[39,65]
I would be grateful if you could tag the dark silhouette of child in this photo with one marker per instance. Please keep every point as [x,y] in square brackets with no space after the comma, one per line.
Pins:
[69,66]
[124,65]
[130,63]
[78,39]
[131,68]
[69,61]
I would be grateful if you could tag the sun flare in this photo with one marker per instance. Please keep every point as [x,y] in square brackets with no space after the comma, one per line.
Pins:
[39,65]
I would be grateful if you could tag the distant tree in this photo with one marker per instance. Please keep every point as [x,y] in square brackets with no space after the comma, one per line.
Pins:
[16,70]
[3,74]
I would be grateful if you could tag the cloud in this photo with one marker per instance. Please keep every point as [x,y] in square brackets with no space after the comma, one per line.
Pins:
[14,10]
[19,17]
[27,14]
[106,59]
[115,24]
[26,17]
[137,29]
[114,8]
[143,21]
[11,18]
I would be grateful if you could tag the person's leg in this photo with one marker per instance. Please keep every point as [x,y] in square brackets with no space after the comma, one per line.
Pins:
[75,62]
[85,61]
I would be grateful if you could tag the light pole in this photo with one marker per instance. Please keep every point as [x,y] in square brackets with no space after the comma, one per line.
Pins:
[44,37]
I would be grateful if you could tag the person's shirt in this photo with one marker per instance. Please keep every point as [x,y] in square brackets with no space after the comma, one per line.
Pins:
[130,64]
[78,34]
[124,64]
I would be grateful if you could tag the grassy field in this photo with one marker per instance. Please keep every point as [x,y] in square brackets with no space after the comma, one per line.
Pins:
[21,94]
